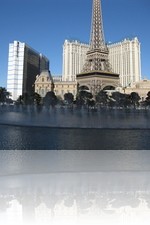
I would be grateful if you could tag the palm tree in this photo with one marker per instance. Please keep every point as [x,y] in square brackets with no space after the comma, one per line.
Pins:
[147,100]
[68,97]
[134,96]
[83,97]
[102,98]
[4,95]
[50,99]
[36,98]
[19,100]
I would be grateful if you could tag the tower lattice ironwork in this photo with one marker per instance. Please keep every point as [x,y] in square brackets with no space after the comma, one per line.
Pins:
[97,56]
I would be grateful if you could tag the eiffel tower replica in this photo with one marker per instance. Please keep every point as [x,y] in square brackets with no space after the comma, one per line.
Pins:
[97,72]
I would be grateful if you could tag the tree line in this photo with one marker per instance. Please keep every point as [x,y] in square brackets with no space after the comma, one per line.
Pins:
[84,98]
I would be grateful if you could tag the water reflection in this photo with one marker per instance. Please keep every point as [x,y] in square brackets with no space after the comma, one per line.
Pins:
[76,198]
[45,161]
[87,189]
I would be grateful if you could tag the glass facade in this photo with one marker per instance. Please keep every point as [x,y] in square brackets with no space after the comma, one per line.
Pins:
[24,63]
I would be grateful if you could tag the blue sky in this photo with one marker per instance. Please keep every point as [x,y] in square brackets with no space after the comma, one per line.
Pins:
[45,24]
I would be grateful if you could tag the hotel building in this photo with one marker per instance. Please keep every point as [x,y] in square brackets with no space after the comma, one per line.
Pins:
[124,57]
[74,55]
[24,63]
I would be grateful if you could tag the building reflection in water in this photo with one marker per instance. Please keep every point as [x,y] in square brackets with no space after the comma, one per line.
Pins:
[71,198]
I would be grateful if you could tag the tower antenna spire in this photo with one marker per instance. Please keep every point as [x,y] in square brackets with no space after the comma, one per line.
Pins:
[97,40]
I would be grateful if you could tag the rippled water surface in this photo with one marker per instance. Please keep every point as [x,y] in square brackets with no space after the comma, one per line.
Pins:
[46,138]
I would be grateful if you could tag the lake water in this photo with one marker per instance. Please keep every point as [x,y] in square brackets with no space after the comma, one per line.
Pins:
[46,138]
[26,127]
[47,177]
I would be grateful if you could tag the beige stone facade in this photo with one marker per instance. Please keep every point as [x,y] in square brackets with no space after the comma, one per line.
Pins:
[142,88]
[62,87]
[98,80]
[43,83]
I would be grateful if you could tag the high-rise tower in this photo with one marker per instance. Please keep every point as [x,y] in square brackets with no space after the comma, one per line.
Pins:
[74,55]
[24,63]
[97,73]
[125,58]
